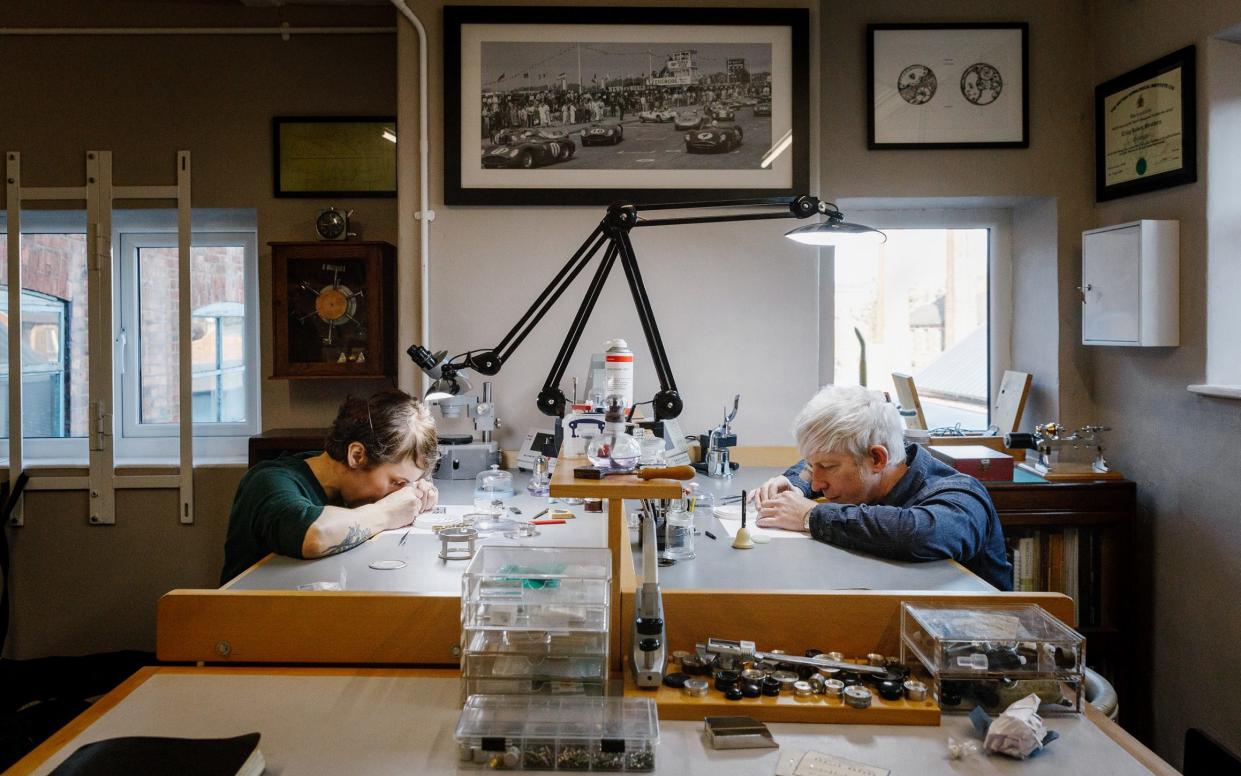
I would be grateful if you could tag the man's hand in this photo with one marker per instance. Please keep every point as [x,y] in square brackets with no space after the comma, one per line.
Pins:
[770,489]
[786,510]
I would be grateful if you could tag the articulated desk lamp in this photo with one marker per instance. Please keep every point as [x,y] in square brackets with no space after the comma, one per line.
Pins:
[612,236]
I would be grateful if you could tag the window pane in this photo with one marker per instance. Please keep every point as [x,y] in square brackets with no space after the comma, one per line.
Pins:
[205,352]
[54,346]
[217,291]
[233,398]
[919,303]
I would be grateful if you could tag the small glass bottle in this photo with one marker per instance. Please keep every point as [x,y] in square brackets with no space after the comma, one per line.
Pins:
[539,478]
[614,449]
[679,531]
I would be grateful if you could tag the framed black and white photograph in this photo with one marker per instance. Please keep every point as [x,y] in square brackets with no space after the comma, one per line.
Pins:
[587,106]
[1145,128]
[948,85]
[334,156]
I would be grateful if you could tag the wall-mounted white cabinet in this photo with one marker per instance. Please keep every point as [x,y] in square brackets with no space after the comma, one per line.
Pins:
[1131,284]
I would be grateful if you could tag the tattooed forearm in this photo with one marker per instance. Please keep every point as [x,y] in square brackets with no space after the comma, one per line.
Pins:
[356,535]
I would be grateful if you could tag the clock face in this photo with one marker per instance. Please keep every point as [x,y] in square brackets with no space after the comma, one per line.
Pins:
[327,311]
[331,224]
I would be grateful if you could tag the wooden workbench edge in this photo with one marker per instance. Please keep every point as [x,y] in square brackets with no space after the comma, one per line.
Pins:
[1151,761]
[44,751]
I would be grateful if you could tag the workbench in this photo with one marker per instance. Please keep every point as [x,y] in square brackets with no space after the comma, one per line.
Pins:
[262,616]
[382,721]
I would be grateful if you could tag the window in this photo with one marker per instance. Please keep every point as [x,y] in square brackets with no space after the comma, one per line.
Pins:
[918,304]
[223,332]
[55,358]
[54,334]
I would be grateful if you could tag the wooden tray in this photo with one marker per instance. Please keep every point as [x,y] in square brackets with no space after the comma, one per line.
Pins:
[673,704]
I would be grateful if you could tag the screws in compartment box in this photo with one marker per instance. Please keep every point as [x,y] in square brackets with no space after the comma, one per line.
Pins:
[538,756]
[573,758]
[609,761]
[640,760]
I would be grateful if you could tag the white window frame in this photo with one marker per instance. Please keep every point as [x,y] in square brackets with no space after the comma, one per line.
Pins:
[157,442]
[998,223]
[49,450]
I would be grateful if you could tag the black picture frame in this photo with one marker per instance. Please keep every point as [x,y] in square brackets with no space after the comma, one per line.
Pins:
[954,120]
[1131,88]
[365,168]
[607,185]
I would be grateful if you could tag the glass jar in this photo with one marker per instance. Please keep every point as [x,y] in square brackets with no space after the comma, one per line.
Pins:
[679,531]
[491,486]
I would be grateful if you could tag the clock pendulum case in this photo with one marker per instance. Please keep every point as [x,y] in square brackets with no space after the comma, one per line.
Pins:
[333,310]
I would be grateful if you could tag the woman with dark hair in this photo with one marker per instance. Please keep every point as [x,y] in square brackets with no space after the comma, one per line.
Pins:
[372,476]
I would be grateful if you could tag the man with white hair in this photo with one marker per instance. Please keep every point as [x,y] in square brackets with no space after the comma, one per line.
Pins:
[881,496]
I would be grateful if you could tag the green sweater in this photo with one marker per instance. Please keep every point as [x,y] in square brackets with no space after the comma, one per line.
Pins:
[275,504]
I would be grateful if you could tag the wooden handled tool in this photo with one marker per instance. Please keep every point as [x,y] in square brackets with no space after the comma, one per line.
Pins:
[667,472]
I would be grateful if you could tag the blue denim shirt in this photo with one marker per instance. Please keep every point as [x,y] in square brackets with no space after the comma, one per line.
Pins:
[932,513]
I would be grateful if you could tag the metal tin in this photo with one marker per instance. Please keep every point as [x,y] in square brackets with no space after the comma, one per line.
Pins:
[785,678]
[828,673]
[836,657]
[833,688]
[818,684]
[726,679]
[803,689]
[876,659]
[915,690]
[857,696]
[679,655]
[696,688]
[753,675]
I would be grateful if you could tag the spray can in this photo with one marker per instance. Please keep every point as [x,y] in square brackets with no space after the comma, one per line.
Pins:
[618,371]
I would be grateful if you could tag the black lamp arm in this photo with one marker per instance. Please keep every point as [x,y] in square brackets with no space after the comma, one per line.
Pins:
[613,231]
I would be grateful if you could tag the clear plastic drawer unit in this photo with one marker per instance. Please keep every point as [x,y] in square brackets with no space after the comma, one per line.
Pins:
[547,734]
[991,655]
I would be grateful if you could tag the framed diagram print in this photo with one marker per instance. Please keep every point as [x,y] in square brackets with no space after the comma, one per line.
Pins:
[948,85]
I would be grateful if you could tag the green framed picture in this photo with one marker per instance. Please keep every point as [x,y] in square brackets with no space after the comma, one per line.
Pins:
[334,156]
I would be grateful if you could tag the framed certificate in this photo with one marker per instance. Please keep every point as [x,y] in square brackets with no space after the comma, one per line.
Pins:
[1145,128]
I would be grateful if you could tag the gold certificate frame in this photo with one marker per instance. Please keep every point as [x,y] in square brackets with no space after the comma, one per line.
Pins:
[1145,128]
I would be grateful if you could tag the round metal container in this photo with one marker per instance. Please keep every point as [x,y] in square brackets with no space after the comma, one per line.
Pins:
[857,696]
[915,690]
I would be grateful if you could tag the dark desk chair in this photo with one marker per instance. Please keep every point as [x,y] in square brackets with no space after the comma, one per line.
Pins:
[1204,756]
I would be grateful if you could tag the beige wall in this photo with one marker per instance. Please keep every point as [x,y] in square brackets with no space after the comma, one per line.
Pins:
[78,588]
[1177,446]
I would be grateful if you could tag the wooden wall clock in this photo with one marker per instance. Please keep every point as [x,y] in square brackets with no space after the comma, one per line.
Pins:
[334,309]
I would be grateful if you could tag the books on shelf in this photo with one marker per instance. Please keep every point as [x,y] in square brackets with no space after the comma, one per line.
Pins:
[1064,560]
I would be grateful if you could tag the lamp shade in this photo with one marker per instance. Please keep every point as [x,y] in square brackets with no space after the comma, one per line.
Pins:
[835,232]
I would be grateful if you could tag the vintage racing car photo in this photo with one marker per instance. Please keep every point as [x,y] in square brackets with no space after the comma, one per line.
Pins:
[529,148]
[688,119]
[762,109]
[602,134]
[713,139]
[657,116]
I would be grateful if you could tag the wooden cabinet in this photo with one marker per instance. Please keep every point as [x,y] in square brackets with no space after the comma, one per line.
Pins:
[333,309]
[1099,517]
